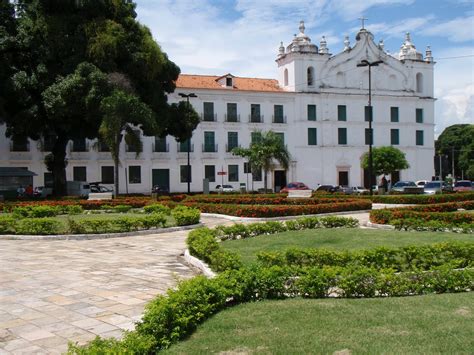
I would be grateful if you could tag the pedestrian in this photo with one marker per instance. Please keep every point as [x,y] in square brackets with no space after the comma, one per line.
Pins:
[29,191]
[20,191]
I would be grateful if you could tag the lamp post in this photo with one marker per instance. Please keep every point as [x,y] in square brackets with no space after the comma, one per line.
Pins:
[366,63]
[188,169]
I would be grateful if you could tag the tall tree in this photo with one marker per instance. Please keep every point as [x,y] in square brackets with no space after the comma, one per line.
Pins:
[264,153]
[386,160]
[53,38]
[452,142]
[466,161]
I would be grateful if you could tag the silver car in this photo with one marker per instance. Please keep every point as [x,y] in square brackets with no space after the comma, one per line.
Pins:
[436,187]
[401,185]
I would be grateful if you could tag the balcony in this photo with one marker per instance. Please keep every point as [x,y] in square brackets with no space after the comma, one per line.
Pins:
[232,118]
[183,148]
[255,118]
[229,147]
[209,148]
[278,119]
[161,148]
[19,146]
[209,117]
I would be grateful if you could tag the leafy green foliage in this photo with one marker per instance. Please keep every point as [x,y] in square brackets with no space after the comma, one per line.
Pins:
[38,226]
[458,141]
[385,160]
[185,215]
[157,208]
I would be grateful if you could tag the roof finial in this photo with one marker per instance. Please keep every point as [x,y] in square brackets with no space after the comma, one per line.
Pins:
[428,54]
[407,37]
[362,19]
[323,49]
[301,27]
[347,44]
[381,44]
[281,50]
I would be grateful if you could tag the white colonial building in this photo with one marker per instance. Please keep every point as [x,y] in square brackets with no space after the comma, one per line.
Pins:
[318,105]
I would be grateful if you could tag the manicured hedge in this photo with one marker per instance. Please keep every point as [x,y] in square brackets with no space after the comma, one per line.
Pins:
[259,200]
[184,215]
[117,224]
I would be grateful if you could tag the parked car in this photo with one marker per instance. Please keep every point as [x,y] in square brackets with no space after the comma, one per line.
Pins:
[295,186]
[401,185]
[328,188]
[436,187]
[355,190]
[421,183]
[225,188]
[160,190]
[463,185]
[99,188]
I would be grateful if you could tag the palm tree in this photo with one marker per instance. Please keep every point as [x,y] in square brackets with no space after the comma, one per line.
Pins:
[264,152]
[124,115]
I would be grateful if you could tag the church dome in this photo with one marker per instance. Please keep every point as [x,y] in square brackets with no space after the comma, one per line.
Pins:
[301,42]
[408,50]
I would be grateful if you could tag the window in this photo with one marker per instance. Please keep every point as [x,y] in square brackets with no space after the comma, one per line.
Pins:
[310,76]
[209,142]
[419,115]
[183,146]
[311,112]
[79,145]
[79,173]
[342,135]
[134,174]
[20,145]
[394,137]
[160,144]
[247,169]
[228,82]
[232,140]
[393,114]
[208,111]
[368,137]
[255,113]
[341,113]
[312,136]
[257,175]
[210,172]
[419,137]
[419,82]
[232,112]
[233,172]
[256,137]
[107,173]
[281,136]
[184,173]
[368,113]
[278,116]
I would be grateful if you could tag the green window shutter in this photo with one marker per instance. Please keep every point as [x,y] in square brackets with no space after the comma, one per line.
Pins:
[278,116]
[419,138]
[393,114]
[255,113]
[183,146]
[232,140]
[341,113]
[281,135]
[256,137]
[368,113]
[184,173]
[208,111]
[233,172]
[311,112]
[210,172]
[369,139]
[342,135]
[312,136]
[209,141]
[419,115]
[231,112]
[394,137]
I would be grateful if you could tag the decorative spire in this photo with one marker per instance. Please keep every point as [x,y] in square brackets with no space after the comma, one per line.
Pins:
[281,49]
[381,44]
[407,37]
[347,44]
[428,55]
[408,50]
[323,49]
[301,27]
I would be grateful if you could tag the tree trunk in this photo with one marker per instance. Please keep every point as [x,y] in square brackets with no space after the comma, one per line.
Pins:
[116,177]
[265,173]
[59,166]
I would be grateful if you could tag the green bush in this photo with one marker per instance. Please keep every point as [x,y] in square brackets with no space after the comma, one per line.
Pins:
[435,225]
[116,225]
[38,226]
[73,209]
[121,208]
[7,224]
[157,208]
[184,215]
[36,211]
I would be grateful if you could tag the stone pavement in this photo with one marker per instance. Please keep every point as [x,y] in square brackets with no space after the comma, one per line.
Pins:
[52,292]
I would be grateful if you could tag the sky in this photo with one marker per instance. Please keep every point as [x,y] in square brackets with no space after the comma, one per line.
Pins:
[242,37]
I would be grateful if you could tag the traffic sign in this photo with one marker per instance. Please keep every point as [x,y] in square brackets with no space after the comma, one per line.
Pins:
[221,173]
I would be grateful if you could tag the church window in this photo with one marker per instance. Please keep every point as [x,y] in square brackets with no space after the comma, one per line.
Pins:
[419,82]
[285,80]
[310,76]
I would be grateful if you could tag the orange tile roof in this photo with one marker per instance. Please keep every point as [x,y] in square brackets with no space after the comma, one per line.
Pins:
[210,82]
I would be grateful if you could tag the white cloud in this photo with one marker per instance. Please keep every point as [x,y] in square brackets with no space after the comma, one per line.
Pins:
[351,9]
[460,29]
[399,28]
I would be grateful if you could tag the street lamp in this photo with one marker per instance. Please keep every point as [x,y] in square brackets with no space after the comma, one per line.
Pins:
[366,63]
[188,169]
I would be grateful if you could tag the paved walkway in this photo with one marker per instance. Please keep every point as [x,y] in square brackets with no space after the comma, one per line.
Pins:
[52,292]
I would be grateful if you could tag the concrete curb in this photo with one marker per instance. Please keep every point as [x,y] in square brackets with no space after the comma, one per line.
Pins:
[283,218]
[380,226]
[99,236]
[199,264]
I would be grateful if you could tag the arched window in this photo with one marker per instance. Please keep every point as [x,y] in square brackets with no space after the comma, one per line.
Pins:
[340,79]
[419,82]
[285,79]
[310,76]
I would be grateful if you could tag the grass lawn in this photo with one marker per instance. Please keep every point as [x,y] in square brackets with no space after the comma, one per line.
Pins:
[430,324]
[338,239]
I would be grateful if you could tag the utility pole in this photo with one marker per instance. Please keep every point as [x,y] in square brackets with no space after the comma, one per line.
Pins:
[452,163]
[188,168]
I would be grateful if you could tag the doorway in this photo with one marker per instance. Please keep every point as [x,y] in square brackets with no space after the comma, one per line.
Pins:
[343,178]
[161,177]
[279,178]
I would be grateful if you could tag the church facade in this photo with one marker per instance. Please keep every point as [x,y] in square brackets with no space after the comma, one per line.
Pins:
[318,105]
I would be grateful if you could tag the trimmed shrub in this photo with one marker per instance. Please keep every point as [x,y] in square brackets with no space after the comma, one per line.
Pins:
[122,208]
[186,216]
[38,226]
[7,224]
[73,209]
[116,225]
[157,208]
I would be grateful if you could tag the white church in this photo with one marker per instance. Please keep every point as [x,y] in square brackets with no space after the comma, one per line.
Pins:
[318,105]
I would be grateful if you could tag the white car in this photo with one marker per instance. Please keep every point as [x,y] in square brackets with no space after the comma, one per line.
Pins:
[225,188]
[359,190]
[421,183]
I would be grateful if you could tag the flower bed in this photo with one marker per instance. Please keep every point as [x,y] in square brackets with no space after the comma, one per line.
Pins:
[268,200]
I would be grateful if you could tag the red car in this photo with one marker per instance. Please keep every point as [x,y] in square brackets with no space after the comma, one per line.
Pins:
[463,185]
[294,186]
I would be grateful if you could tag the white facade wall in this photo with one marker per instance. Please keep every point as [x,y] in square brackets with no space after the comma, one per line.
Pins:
[337,82]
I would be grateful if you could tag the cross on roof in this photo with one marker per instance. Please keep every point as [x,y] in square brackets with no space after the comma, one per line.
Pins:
[362,20]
